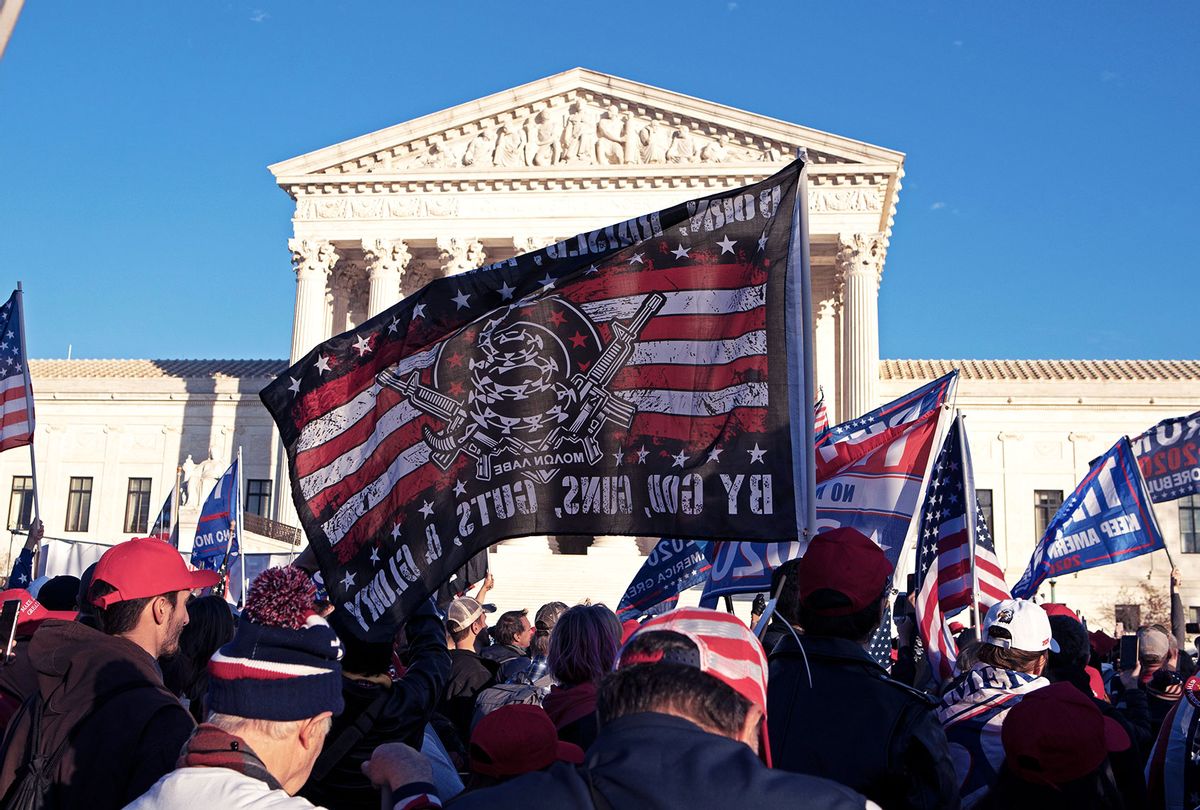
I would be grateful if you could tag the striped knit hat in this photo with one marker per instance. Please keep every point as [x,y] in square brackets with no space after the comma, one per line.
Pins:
[728,651]
[283,661]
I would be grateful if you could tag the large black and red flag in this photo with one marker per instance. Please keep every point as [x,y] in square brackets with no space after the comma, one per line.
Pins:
[638,379]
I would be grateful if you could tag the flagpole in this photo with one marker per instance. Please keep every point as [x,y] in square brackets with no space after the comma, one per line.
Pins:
[799,299]
[969,506]
[174,527]
[238,527]
[37,506]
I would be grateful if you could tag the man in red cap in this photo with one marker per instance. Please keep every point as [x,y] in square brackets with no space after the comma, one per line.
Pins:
[101,723]
[834,711]
[682,724]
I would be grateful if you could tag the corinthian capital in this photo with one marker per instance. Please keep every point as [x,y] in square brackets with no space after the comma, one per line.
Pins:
[459,255]
[860,253]
[313,257]
[528,244]
[387,255]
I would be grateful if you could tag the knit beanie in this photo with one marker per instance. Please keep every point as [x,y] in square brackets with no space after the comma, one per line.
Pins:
[283,662]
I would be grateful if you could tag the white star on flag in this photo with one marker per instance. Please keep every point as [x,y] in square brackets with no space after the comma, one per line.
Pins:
[715,454]
[619,457]
[762,242]
[394,325]
[637,257]
[426,509]
[418,311]
[591,270]
[459,488]
[322,364]
[395,531]
[506,292]
[641,454]
[374,554]
[295,386]
[547,282]
[460,300]
[348,581]
[680,457]
[727,245]
[756,454]
[362,345]
[681,252]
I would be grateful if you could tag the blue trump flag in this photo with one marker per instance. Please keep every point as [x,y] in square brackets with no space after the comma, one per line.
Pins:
[217,530]
[1169,454]
[1107,519]
[672,567]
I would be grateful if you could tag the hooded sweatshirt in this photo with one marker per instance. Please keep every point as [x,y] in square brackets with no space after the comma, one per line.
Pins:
[972,713]
[105,692]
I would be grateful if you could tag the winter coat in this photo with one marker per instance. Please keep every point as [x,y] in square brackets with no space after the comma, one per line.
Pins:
[397,712]
[107,693]
[856,726]
[192,788]
[469,675]
[650,761]
[512,660]
[972,712]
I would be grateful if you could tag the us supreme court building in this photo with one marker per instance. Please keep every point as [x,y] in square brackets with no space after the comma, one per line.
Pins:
[379,216]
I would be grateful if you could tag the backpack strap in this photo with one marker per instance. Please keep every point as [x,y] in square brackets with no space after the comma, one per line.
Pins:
[335,751]
[598,800]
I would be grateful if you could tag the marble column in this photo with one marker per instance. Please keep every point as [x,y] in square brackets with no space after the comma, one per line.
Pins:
[825,342]
[460,255]
[860,261]
[314,261]
[388,261]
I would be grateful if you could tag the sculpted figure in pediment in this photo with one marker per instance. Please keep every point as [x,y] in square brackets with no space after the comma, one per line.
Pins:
[479,150]
[610,137]
[542,136]
[579,135]
[683,146]
[439,156]
[653,140]
[510,146]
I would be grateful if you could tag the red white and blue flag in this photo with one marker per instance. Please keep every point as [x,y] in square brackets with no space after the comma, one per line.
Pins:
[633,380]
[820,418]
[16,391]
[950,566]
[870,473]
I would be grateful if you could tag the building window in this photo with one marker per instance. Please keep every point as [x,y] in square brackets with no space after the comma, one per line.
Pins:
[1189,523]
[984,496]
[79,504]
[1045,504]
[20,504]
[137,506]
[258,496]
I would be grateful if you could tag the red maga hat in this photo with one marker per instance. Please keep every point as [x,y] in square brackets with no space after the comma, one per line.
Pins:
[1056,735]
[846,561]
[32,612]
[516,739]
[143,567]
[1059,609]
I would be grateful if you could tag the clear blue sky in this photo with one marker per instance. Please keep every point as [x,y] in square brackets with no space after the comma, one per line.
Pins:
[1049,207]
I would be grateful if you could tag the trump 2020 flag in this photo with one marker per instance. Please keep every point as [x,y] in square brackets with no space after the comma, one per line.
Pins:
[671,568]
[217,530]
[1107,519]
[634,380]
[869,476]
[1169,454]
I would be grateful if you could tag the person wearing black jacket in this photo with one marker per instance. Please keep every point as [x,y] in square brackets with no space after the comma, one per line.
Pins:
[378,710]
[511,636]
[835,712]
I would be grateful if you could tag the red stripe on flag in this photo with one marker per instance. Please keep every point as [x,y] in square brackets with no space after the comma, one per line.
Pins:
[692,378]
[375,465]
[704,327]
[667,279]
[377,520]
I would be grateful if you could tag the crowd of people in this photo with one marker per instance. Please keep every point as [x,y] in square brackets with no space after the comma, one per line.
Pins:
[126,688]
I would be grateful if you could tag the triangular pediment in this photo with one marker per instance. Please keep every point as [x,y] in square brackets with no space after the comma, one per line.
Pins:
[577,119]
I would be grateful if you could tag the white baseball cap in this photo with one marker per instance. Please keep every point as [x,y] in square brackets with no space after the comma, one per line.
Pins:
[1027,624]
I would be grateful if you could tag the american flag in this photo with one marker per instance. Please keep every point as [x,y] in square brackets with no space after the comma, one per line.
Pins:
[820,417]
[380,476]
[16,392]
[944,575]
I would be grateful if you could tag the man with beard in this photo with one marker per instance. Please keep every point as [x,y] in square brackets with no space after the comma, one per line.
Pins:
[101,727]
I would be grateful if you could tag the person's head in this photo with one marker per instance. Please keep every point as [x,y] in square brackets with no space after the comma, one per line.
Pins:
[83,604]
[140,590]
[59,593]
[842,581]
[514,628]
[543,625]
[210,626]
[278,683]
[698,664]
[366,658]
[1074,649]
[465,620]
[787,576]
[516,739]
[32,613]
[1056,737]
[1017,637]
[583,646]
[1154,647]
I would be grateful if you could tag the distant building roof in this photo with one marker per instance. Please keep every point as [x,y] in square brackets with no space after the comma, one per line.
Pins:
[183,369]
[1043,370]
